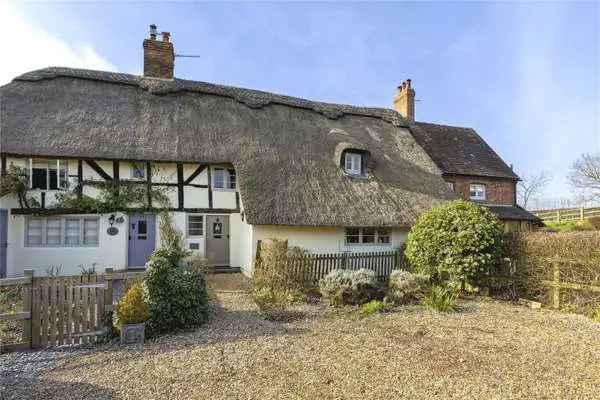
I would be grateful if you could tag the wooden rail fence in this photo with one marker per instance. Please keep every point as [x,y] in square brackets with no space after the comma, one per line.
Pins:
[567,214]
[316,266]
[66,309]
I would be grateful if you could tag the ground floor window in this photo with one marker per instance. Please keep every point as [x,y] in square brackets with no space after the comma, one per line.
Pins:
[70,231]
[368,236]
[195,225]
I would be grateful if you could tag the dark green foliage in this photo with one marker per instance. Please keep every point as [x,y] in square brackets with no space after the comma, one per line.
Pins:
[454,242]
[16,182]
[440,299]
[176,295]
[372,307]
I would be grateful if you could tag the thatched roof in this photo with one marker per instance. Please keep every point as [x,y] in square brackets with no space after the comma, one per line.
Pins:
[505,212]
[282,147]
[462,151]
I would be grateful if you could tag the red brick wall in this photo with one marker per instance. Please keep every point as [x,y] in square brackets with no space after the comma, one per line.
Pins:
[498,191]
[159,59]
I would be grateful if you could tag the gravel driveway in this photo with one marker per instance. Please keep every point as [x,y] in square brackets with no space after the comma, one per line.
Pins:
[488,350]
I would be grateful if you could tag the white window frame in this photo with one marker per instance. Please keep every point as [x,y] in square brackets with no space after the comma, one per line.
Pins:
[140,167]
[62,168]
[378,233]
[355,160]
[477,191]
[450,185]
[226,180]
[44,243]
[187,225]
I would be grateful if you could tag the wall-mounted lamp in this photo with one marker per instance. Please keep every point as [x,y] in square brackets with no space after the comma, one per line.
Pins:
[242,215]
[111,219]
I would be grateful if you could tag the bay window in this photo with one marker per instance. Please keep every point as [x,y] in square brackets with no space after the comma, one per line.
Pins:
[71,231]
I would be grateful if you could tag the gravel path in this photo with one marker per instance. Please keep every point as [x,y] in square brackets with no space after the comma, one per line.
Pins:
[488,350]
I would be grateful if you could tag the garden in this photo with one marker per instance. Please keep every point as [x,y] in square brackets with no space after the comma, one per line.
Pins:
[425,332]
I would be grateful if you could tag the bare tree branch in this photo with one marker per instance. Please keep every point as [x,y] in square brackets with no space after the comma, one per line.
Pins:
[532,186]
[585,175]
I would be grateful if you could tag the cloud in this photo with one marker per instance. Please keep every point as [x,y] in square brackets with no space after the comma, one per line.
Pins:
[28,47]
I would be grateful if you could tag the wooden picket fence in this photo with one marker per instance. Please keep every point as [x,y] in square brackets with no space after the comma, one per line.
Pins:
[313,267]
[65,310]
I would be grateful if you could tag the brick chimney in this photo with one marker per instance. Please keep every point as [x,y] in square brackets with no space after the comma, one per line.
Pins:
[404,100]
[159,55]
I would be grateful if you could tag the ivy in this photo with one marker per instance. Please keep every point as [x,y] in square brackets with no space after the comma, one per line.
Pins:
[15,181]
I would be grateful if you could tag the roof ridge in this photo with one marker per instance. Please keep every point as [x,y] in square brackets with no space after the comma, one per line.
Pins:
[250,97]
[443,125]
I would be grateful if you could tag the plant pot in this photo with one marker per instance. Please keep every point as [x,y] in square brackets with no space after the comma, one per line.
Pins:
[132,333]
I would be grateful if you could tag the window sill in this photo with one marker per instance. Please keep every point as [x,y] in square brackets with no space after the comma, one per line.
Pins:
[223,190]
[367,244]
[362,177]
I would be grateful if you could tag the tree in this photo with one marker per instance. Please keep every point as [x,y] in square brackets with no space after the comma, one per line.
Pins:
[585,175]
[532,186]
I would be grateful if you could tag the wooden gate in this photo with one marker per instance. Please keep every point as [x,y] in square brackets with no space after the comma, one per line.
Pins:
[67,310]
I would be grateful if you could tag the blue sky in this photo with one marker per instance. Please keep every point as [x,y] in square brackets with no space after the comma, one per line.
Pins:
[526,76]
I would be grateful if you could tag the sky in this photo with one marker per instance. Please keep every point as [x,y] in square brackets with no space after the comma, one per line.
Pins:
[525,75]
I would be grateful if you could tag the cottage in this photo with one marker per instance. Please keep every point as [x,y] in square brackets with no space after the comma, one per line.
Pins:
[103,155]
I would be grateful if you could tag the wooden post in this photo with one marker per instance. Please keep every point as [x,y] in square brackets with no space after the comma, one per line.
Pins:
[556,286]
[108,298]
[27,307]
[558,215]
[581,214]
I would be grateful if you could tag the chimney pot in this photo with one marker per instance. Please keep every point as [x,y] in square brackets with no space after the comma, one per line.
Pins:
[166,36]
[153,32]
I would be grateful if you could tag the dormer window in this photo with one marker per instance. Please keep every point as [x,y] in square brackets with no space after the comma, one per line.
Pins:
[477,191]
[353,163]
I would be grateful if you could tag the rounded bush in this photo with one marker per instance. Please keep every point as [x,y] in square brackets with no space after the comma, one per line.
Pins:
[341,286]
[454,242]
[176,295]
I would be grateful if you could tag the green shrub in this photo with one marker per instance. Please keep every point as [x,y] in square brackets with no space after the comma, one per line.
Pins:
[176,295]
[372,307]
[405,287]
[454,242]
[132,308]
[348,287]
[440,298]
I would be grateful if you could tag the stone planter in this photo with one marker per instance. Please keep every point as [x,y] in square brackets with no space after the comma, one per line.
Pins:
[132,333]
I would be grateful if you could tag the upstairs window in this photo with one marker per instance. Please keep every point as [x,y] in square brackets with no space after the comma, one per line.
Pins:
[48,174]
[224,179]
[138,172]
[368,236]
[353,163]
[477,191]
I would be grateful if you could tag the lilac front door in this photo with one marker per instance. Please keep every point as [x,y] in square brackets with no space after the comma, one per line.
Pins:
[3,241]
[142,238]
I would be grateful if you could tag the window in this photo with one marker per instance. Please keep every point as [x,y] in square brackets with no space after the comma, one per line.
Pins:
[450,185]
[368,236]
[138,172]
[477,191]
[195,225]
[353,163]
[62,231]
[224,179]
[48,174]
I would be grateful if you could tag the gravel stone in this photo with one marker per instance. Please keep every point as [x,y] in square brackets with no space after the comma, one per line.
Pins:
[489,349]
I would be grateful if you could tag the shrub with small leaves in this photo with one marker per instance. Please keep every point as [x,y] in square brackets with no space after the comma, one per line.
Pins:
[405,287]
[342,286]
[132,308]
[271,301]
[455,242]
[440,298]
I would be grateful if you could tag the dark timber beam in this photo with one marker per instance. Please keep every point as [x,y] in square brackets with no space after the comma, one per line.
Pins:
[210,194]
[194,174]
[180,186]
[93,165]
[149,183]
[79,178]
[59,211]
[116,176]
[3,165]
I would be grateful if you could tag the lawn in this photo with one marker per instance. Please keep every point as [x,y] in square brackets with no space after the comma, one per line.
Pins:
[487,350]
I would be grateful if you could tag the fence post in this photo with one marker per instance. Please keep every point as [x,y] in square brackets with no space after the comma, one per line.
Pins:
[556,286]
[27,307]
[581,214]
[558,215]
[108,298]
